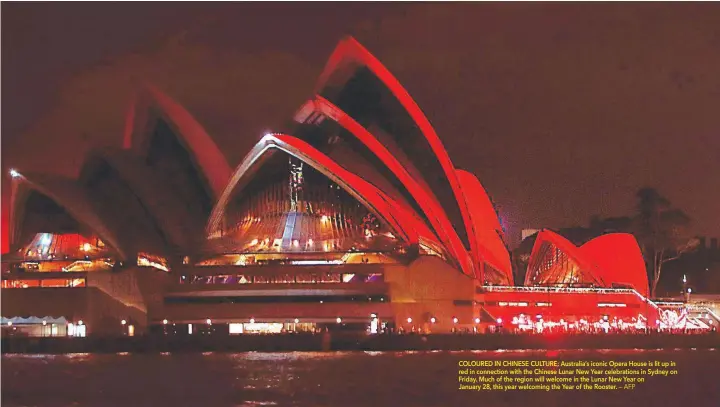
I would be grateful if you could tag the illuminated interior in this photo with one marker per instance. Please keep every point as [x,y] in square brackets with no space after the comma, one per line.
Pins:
[554,266]
[72,252]
[55,282]
[291,208]
[494,276]
[49,246]
[269,327]
[297,259]
[297,276]
[35,326]
[156,262]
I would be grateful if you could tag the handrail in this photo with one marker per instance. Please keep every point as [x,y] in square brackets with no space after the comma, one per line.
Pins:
[704,309]
[594,290]
[499,288]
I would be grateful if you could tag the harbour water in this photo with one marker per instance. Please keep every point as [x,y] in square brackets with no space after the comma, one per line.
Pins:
[427,378]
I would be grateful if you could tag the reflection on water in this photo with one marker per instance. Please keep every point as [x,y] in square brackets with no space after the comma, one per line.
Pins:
[325,379]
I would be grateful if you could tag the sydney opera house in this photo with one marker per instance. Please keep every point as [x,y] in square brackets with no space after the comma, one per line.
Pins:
[354,217]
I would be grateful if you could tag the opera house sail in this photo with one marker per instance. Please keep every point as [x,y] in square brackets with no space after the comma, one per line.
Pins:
[96,251]
[353,217]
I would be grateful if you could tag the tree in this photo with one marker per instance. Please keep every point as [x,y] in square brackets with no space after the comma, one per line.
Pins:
[661,231]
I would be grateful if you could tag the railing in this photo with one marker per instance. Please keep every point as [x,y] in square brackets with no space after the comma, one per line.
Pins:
[283,278]
[704,309]
[61,265]
[280,269]
[570,290]
[251,259]
[670,303]
[595,290]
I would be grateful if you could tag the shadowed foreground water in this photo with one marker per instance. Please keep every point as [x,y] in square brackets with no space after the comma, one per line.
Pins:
[328,379]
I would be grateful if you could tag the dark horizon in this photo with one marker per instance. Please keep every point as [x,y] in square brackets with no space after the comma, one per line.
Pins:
[563,111]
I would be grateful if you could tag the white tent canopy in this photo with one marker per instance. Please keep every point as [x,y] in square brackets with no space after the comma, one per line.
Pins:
[33,320]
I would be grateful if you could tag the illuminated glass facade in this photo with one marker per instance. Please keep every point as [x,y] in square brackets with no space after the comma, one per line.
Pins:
[292,208]
[552,266]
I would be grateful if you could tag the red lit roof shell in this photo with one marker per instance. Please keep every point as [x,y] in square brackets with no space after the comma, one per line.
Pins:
[613,258]
[424,198]
[350,51]
[619,259]
[400,219]
[486,224]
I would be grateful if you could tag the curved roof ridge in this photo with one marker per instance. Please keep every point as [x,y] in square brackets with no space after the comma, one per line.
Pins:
[66,193]
[487,205]
[488,230]
[350,48]
[612,258]
[400,219]
[419,191]
[207,156]
[152,193]
[619,258]
[566,246]
[605,236]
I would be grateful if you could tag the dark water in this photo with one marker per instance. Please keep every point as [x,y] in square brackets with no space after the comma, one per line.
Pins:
[328,379]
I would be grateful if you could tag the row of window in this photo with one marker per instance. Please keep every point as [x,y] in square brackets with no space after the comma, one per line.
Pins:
[321,299]
[549,304]
[60,282]
[301,278]
[57,266]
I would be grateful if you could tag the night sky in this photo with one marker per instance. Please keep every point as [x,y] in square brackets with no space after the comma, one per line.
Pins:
[562,110]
